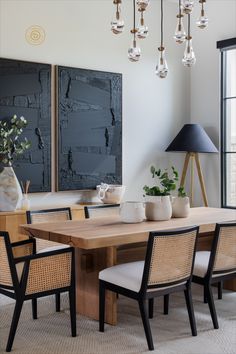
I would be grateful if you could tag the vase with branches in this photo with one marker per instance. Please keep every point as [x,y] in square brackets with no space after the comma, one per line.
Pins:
[10,147]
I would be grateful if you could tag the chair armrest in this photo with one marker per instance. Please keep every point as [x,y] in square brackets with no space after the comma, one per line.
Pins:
[23,248]
[48,271]
[43,255]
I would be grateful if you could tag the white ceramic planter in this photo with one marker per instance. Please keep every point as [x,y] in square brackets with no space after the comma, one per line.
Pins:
[10,191]
[158,208]
[180,207]
[132,212]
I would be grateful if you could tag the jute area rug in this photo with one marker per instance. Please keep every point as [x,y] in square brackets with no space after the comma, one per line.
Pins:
[171,334]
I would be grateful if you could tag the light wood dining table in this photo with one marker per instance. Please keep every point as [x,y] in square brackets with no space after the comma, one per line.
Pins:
[104,242]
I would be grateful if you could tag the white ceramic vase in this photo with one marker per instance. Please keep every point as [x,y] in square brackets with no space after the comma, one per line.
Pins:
[158,207]
[10,191]
[180,207]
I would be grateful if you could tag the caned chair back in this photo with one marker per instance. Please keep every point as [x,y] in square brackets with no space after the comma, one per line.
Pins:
[223,255]
[8,270]
[98,211]
[169,257]
[5,270]
[48,215]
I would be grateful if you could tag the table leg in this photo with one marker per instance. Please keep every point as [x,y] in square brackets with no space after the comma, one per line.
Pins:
[88,264]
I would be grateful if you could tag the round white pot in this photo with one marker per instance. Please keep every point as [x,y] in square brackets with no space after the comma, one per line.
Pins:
[158,208]
[132,212]
[10,191]
[180,207]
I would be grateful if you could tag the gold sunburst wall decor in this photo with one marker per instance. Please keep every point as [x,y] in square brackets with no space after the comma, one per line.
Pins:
[35,35]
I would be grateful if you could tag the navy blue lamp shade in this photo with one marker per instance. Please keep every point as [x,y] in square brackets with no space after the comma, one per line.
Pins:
[192,138]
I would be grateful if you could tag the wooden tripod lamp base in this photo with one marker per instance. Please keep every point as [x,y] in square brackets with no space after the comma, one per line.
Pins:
[194,156]
[193,139]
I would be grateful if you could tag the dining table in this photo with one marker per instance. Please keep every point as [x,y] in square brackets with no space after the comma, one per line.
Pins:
[106,241]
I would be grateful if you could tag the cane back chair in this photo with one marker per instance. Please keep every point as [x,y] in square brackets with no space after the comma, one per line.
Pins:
[49,215]
[96,211]
[167,268]
[217,265]
[29,276]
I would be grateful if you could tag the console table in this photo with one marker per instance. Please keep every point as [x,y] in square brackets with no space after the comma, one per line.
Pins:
[97,242]
[11,220]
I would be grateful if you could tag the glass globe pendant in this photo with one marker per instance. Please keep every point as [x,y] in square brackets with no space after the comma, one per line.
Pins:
[180,34]
[188,6]
[142,29]
[117,25]
[189,58]
[134,52]
[143,4]
[202,21]
[162,67]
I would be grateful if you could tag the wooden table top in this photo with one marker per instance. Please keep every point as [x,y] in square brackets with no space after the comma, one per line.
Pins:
[111,231]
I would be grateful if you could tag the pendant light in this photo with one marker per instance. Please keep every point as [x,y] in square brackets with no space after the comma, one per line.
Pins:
[188,6]
[189,58]
[162,67]
[134,51]
[202,21]
[185,7]
[143,4]
[180,34]
[117,24]
[142,29]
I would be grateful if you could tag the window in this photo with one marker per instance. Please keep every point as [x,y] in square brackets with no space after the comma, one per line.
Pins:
[228,122]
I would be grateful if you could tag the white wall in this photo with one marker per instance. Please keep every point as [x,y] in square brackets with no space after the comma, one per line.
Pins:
[78,34]
[205,86]
[154,110]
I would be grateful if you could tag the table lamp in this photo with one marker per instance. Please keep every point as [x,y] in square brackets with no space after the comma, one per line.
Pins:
[193,139]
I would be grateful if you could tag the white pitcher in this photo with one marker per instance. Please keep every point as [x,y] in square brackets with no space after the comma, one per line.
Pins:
[110,193]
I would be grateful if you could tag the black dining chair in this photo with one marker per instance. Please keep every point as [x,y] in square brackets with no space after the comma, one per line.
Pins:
[96,211]
[49,215]
[167,269]
[29,276]
[217,265]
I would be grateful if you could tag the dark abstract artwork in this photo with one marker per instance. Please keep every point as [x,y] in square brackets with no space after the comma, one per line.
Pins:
[89,128]
[25,90]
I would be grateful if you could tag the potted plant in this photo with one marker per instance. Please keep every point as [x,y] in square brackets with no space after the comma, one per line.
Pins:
[180,204]
[10,147]
[158,203]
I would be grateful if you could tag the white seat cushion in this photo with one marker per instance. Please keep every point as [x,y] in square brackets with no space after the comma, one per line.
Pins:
[201,265]
[53,248]
[128,276]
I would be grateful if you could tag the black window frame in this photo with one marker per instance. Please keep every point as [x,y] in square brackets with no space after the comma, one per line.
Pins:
[224,46]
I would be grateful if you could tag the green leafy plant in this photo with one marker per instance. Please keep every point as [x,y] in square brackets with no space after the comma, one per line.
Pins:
[181,192]
[10,146]
[167,183]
